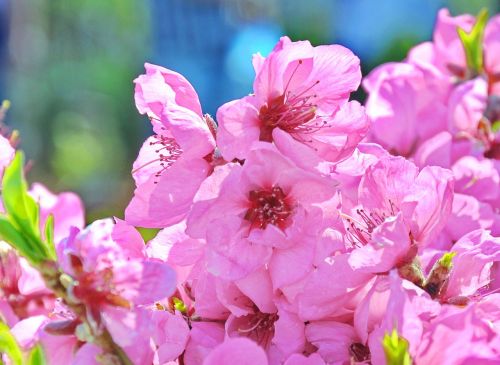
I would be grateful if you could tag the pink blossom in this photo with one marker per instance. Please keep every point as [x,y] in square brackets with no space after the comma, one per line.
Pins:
[402,313]
[401,209]
[298,359]
[476,254]
[22,289]
[26,331]
[133,330]
[254,314]
[449,337]
[171,164]
[204,337]
[59,349]
[468,214]
[292,240]
[108,274]
[466,106]
[57,336]
[492,53]
[332,290]
[170,100]
[397,106]
[448,50]
[6,153]
[66,208]
[302,91]
[337,342]
[259,205]
[237,351]
[477,177]
[435,91]
[171,335]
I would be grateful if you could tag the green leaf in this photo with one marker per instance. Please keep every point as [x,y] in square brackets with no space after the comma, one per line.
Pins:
[49,233]
[396,349]
[22,215]
[36,356]
[446,260]
[495,126]
[10,234]
[15,197]
[179,305]
[147,233]
[473,43]
[9,346]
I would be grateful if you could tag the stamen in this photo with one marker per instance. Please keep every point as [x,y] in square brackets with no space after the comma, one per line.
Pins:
[268,207]
[294,113]
[246,330]
[212,126]
[261,328]
[359,232]
[359,352]
[168,152]
[291,76]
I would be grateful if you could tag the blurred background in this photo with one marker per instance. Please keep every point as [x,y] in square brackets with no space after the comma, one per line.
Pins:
[67,68]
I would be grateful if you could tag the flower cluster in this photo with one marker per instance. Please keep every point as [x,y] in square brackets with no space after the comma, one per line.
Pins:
[441,107]
[296,229]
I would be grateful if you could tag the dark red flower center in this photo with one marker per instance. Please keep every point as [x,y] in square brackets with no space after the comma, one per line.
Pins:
[268,207]
[96,288]
[293,113]
[359,352]
[260,327]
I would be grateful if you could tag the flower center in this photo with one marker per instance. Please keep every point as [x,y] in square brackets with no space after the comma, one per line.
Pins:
[359,352]
[268,207]
[9,272]
[96,288]
[293,113]
[260,327]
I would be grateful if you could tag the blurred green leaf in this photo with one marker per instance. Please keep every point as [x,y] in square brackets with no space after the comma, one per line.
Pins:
[179,305]
[36,356]
[9,346]
[17,202]
[49,233]
[20,226]
[147,234]
[10,234]
[446,260]
[473,42]
[396,349]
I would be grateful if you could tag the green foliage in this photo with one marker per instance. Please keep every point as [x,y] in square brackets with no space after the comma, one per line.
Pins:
[147,233]
[396,349]
[473,43]
[36,356]
[20,225]
[179,305]
[49,230]
[9,346]
[446,260]
[17,203]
